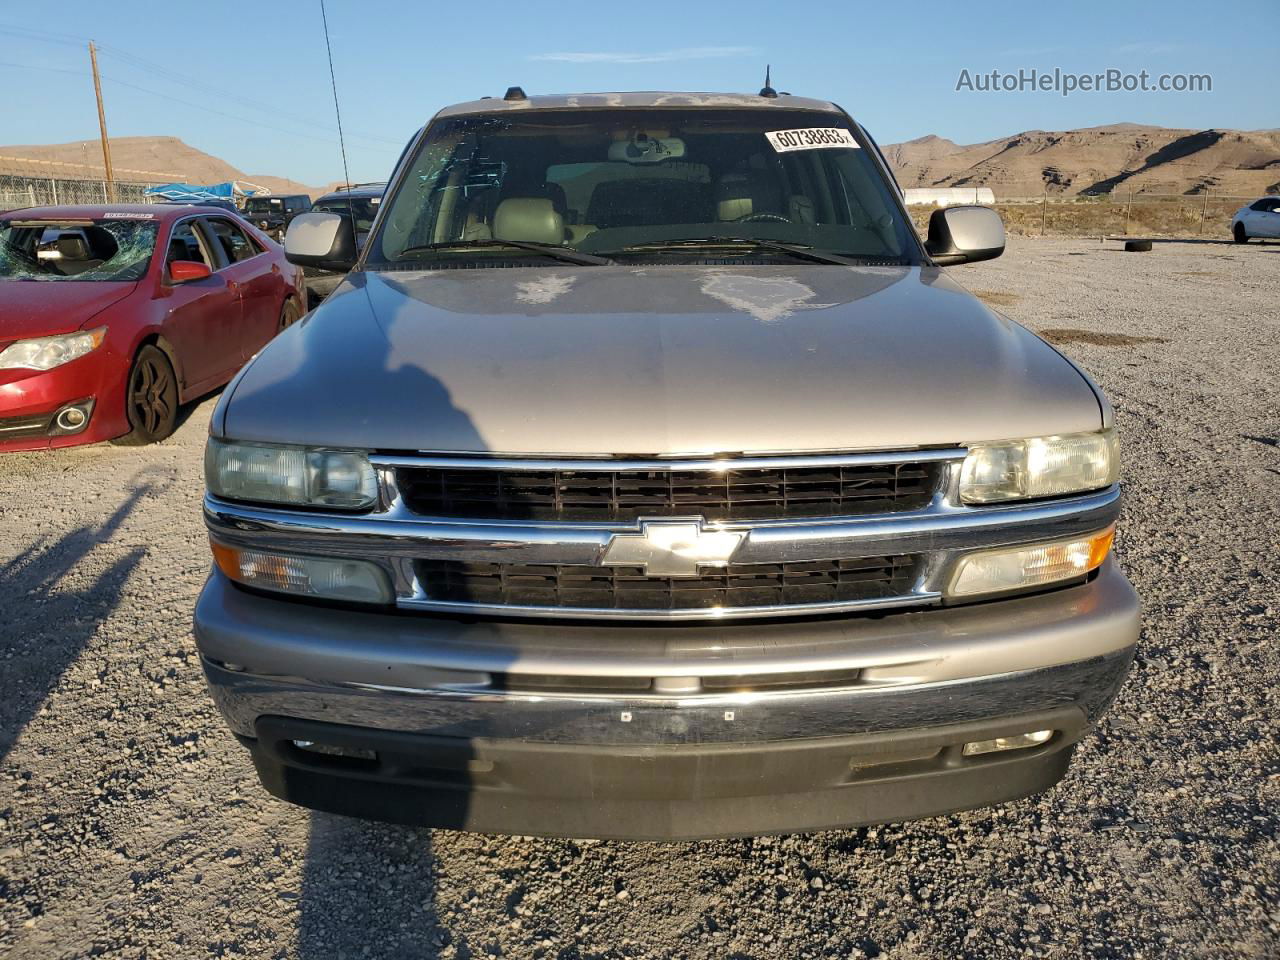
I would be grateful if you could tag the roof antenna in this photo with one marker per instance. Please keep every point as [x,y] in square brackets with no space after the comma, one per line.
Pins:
[342,143]
[766,90]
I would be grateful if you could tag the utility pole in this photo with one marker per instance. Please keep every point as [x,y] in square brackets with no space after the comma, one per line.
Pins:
[102,125]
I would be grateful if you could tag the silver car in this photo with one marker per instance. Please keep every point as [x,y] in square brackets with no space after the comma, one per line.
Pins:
[647,477]
[1259,219]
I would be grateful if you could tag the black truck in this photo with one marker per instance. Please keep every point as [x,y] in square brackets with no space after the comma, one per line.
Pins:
[274,214]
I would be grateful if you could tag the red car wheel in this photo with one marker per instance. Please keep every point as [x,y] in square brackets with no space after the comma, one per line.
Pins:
[151,398]
[289,315]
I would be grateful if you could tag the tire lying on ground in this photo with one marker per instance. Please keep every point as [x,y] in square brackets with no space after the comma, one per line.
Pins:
[1137,246]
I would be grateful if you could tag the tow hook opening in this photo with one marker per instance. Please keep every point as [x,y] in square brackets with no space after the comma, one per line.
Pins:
[335,752]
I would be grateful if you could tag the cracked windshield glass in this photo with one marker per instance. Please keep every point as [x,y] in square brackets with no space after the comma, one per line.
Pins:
[99,249]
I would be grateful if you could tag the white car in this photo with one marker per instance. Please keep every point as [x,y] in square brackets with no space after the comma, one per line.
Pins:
[1260,219]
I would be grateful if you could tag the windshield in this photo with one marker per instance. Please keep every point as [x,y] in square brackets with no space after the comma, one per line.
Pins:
[98,249]
[364,208]
[264,205]
[608,181]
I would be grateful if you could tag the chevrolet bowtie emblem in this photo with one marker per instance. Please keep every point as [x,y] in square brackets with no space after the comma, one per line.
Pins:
[671,548]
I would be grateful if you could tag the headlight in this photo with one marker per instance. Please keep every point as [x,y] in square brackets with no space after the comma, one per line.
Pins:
[1039,467]
[331,579]
[45,353]
[301,476]
[1029,565]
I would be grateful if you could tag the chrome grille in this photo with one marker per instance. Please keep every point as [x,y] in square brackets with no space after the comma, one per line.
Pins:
[607,496]
[735,586]
[464,566]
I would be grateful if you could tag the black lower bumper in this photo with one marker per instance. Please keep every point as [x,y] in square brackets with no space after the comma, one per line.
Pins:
[666,792]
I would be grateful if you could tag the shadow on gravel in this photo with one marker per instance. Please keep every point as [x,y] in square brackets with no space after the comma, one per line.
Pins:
[185,410]
[391,914]
[46,627]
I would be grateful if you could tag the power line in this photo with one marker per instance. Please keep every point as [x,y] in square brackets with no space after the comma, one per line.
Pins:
[177,77]
[222,113]
[164,96]
[44,36]
[149,66]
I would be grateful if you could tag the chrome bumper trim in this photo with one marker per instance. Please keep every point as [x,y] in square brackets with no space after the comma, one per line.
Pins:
[420,601]
[754,718]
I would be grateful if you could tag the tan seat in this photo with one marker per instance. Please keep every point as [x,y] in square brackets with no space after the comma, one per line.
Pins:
[531,219]
[476,230]
[747,193]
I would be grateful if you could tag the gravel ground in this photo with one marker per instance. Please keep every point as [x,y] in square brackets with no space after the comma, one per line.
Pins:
[131,824]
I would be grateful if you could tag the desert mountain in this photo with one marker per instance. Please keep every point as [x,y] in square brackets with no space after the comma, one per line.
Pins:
[1092,160]
[1119,157]
[146,159]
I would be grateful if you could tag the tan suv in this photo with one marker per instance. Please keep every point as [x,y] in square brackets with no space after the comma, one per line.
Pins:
[647,477]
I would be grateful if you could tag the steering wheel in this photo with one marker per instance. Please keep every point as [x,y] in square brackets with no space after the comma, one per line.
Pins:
[760,217]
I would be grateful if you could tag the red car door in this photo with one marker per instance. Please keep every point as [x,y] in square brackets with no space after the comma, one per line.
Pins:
[204,317]
[257,281]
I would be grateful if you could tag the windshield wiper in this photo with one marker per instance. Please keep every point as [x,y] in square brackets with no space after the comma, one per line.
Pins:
[800,252]
[555,251]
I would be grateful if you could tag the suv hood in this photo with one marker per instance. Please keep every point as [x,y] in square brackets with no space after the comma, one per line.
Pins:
[656,361]
[46,308]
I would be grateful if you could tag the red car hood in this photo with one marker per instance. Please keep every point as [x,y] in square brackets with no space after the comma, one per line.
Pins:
[45,308]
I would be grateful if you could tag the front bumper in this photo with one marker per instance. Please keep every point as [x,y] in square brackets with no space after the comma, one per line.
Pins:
[459,743]
[31,399]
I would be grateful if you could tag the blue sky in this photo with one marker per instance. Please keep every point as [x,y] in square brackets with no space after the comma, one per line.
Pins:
[249,82]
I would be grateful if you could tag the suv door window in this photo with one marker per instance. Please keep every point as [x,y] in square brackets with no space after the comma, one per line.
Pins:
[235,243]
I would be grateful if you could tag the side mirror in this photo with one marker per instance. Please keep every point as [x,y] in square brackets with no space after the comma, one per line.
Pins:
[964,234]
[323,240]
[184,271]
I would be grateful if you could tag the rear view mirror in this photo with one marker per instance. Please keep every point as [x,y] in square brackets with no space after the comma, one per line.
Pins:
[964,234]
[643,148]
[323,240]
[480,175]
[184,271]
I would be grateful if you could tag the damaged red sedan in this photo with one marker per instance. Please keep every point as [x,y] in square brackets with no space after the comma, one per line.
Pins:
[113,316]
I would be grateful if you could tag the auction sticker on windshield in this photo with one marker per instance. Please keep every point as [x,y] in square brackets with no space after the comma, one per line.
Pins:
[811,138]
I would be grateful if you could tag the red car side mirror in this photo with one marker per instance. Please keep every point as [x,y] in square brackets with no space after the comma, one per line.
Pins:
[184,271]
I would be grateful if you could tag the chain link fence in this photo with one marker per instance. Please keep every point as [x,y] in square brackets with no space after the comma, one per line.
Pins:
[1118,213]
[25,191]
